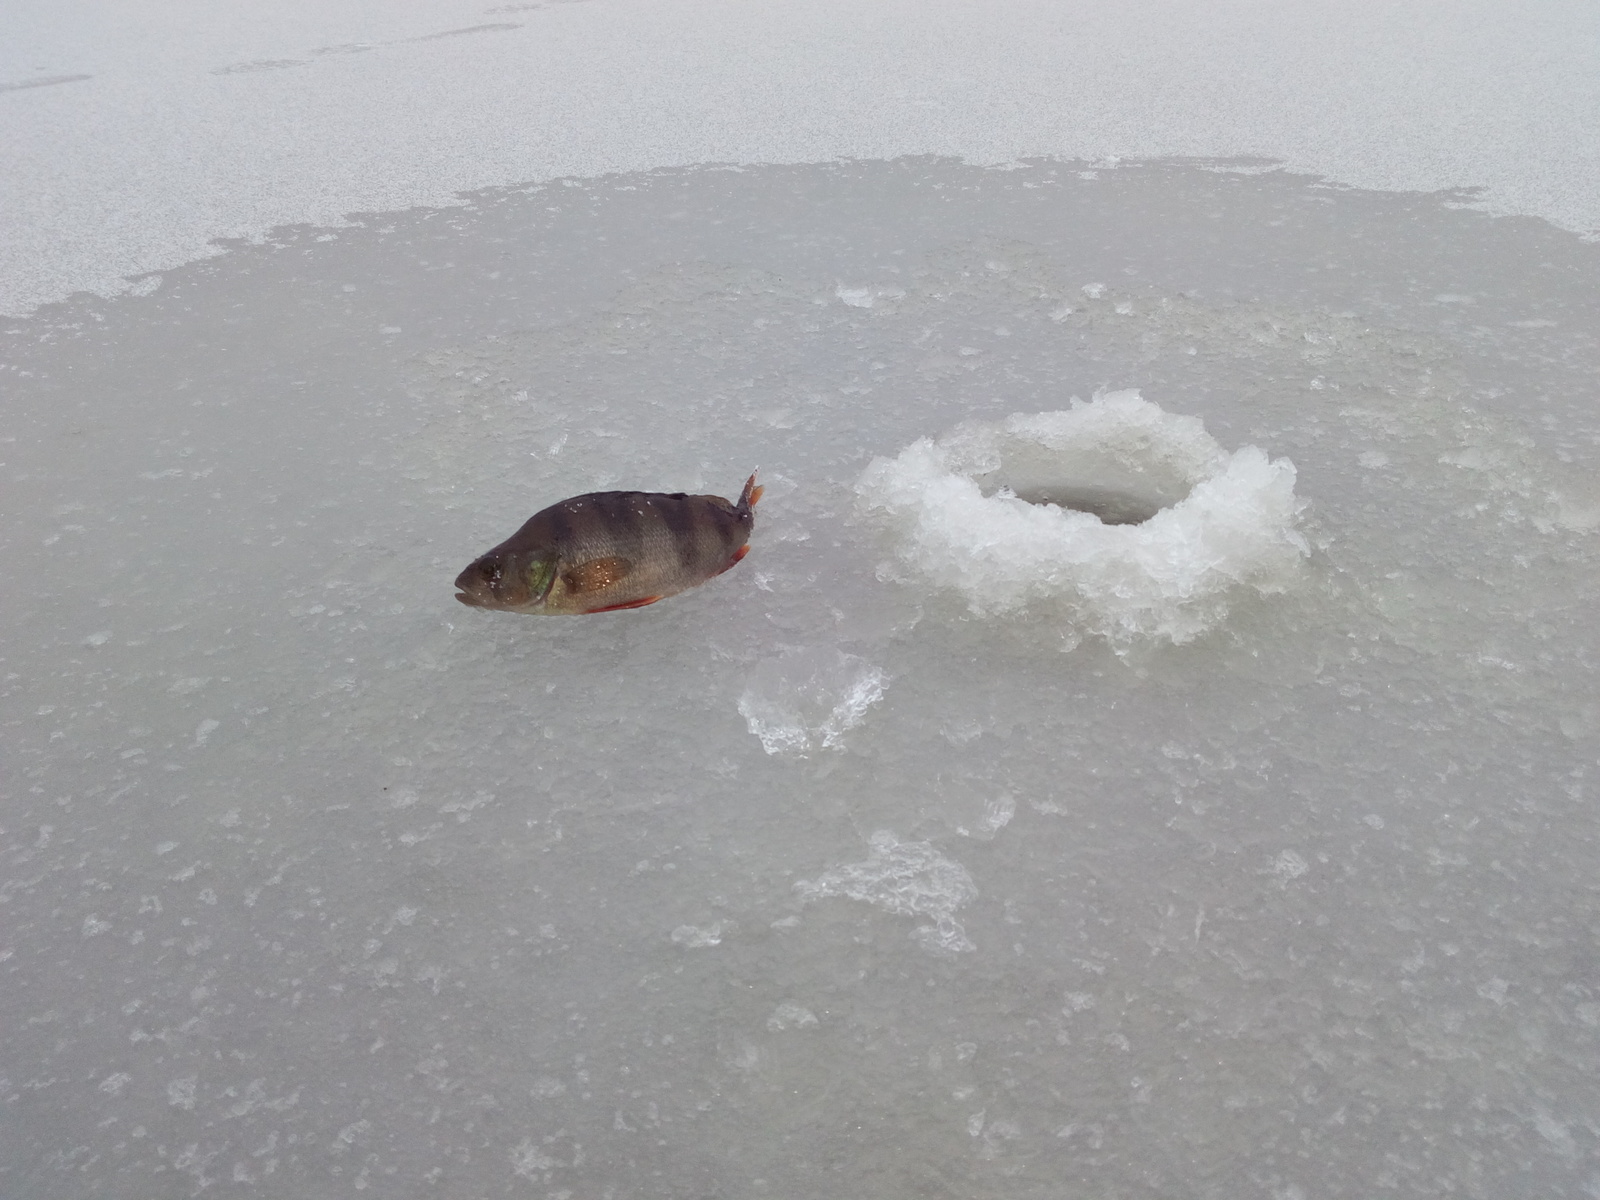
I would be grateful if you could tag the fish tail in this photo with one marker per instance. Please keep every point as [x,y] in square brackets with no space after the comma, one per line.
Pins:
[751,496]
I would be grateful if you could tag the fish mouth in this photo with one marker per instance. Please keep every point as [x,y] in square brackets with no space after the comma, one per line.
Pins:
[469,601]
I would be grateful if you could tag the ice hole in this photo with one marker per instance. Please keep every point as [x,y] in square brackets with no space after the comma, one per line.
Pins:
[1106,505]
[1116,459]
[1123,520]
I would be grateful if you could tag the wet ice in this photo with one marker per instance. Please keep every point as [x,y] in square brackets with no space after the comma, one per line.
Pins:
[312,879]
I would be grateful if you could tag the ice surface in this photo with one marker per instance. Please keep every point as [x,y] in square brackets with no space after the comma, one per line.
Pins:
[1206,523]
[314,883]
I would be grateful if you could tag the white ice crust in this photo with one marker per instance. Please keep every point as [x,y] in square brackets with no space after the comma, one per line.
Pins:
[135,134]
[1173,576]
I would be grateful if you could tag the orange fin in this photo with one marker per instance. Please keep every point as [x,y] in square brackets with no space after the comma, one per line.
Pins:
[737,556]
[595,575]
[751,496]
[623,605]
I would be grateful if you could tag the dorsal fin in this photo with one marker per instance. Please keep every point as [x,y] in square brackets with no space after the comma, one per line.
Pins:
[751,496]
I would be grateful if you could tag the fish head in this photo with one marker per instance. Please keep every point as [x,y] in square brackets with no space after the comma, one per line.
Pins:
[502,579]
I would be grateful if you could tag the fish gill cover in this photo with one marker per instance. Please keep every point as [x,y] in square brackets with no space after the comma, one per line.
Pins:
[1125,521]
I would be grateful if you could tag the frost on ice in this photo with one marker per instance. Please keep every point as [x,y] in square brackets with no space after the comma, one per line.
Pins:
[909,879]
[809,698]
[1128,521]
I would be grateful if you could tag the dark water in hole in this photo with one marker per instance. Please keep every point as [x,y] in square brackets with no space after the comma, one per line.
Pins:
[1112,508]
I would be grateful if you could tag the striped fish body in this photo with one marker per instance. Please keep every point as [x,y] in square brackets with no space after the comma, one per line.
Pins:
[609,550]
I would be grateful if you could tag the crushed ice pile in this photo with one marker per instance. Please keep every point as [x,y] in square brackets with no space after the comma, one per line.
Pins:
[1129,521]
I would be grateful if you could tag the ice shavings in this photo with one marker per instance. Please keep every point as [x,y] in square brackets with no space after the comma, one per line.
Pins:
[808,698]
[1128,522]
[909,879]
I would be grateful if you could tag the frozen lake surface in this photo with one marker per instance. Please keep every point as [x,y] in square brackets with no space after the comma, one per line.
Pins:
[812,881]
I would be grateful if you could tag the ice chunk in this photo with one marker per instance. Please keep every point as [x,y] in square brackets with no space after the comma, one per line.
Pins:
[789,1015]
[1124,520]
[909,879]
[866,297]
[809,698]
[696,937]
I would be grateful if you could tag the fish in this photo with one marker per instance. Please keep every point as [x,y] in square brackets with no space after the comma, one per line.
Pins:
[606,551]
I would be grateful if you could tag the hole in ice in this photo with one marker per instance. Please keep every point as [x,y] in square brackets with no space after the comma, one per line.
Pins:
[1127,521]
[1113,460]
[1105,505]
